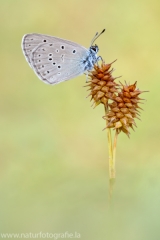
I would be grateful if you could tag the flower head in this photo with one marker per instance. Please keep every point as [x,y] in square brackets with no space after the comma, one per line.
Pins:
[120,100]
[102,84]
[124,109]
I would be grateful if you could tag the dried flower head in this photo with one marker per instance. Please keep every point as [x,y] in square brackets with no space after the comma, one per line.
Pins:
[120,101]
[102,84]
[124,109]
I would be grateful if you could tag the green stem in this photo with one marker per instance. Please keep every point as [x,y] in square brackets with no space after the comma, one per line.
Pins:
[110,148]
[112,155]
[114,152]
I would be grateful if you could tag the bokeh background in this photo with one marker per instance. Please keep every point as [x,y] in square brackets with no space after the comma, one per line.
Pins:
[53,152]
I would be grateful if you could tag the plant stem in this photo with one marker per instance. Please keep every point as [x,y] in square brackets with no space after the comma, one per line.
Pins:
[110,149]
[112,154]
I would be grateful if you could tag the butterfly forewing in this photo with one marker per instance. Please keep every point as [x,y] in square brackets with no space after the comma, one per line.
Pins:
[53,59]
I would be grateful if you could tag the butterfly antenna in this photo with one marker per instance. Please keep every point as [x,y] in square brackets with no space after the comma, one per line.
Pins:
[97,36]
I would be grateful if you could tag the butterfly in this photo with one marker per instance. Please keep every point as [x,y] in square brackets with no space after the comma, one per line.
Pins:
[55,60]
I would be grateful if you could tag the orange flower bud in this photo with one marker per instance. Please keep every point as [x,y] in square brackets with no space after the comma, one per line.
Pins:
[124,110]
[119,115]
[129,105]
[121,105]
[124,120]
[105,89]
[96,88]
[116,109]
[99,95]
[104,100]
[106,67]
[118,124]
[110,114]
[102,83]
[127,94]
[95,80]
[118,99]
[127,100]
[128,115]
[100,75]
[110,84]
[106,77]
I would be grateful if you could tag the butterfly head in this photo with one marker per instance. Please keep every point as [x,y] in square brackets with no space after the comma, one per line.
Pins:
[94,48]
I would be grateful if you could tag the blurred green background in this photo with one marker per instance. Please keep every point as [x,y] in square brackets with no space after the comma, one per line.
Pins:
[54,155]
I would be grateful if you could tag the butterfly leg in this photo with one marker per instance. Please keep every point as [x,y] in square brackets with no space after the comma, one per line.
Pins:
[98,59]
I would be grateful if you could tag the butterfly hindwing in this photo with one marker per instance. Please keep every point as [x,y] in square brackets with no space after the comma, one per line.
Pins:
[54,62]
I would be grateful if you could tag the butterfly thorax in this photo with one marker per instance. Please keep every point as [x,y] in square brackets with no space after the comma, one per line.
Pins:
[92,58]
